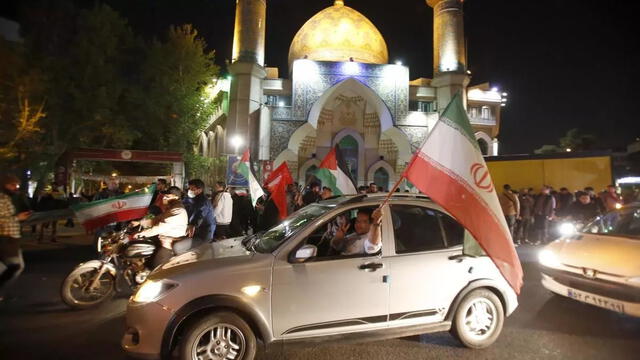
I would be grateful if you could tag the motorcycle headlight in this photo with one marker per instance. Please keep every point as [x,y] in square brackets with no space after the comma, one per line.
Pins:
[548,258]
[567,228]
[152,290]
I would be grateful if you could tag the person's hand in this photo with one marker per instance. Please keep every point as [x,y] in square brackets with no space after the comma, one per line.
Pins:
[342,231]
[22,216]
[191,229]
[376,216]
[135,223]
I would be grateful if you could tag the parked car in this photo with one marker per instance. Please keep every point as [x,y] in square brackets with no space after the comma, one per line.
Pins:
[288,286]
[600,264]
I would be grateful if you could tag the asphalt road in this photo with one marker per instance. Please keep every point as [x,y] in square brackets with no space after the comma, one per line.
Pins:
[35,324]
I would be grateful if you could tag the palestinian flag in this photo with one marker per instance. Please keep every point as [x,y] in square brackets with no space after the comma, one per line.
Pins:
[277,184]
[450,169]
[335,174]
[244,168]
[129,206]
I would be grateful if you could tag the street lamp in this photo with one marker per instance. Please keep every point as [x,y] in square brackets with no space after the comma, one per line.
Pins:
[236,142]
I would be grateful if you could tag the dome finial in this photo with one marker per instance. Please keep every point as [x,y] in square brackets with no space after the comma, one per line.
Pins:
[338,3]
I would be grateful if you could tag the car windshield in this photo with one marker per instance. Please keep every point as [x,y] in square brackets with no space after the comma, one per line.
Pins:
[271,239]
[625,222]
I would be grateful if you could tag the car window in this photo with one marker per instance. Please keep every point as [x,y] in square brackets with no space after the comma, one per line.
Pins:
[416,228]
[625,222]
[272,238]
[454,232]
[322,237]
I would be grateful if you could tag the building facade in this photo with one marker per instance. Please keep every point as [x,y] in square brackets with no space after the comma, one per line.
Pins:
[341,89]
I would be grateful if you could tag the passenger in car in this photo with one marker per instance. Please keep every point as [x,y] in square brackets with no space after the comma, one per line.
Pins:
[367,238]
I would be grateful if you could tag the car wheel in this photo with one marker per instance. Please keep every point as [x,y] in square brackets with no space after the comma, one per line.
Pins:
[221,335]
[478,319]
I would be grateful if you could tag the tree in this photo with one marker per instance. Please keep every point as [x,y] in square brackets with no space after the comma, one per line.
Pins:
[577,140]
[21,107]
[173,99]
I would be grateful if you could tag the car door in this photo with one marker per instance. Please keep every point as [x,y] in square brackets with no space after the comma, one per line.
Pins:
[426,270]
[329,295]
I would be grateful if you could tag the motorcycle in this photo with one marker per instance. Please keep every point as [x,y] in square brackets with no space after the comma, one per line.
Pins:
[122,256]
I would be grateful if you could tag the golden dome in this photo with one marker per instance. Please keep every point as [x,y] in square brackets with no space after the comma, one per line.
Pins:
[339,33]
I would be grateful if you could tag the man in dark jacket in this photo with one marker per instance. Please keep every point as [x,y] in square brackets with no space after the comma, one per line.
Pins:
[543,211]
[527,200]
[242,213]
[583,209]
[202,223]
[312,195]
[564,199]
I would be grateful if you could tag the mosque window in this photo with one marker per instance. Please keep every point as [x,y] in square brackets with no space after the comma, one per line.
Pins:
[421,106]
[473,112]
[486,112]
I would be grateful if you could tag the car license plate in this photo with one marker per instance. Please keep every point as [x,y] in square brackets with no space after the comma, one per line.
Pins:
[596,300]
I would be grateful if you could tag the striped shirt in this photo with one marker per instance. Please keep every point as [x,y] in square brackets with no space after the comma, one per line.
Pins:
[9,224]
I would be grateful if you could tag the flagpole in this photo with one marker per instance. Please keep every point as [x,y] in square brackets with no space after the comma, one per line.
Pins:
[391,191]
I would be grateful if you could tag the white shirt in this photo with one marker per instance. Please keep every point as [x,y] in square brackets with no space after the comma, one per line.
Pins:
[355,244]
[224,209]
[173,226]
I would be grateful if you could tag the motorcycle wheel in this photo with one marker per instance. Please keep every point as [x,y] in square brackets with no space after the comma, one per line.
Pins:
[75,288]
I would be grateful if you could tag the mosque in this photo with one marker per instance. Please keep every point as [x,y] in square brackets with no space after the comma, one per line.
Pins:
[341,89]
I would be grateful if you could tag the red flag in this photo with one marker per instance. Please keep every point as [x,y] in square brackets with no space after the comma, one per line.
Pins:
[449,167]
[277,184]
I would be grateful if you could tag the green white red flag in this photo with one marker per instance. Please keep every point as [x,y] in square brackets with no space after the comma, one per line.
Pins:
[277,184]
[244,168]
[450,169]
[129,206]
[334,173]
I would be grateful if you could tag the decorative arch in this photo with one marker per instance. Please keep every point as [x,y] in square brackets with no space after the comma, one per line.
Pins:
[386,120]
[385,165]
[299,135]
[402,142]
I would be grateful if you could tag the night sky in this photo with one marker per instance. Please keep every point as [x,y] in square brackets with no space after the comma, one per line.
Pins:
[564,63]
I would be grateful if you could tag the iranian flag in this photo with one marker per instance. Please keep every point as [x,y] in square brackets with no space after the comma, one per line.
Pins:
[129,206]
[277,184]
[335,174]
[450,169]
[244,168]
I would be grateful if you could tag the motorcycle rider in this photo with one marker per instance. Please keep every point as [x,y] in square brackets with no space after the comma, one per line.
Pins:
[170,225]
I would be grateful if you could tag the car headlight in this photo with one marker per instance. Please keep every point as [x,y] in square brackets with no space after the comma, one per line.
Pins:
[548,258]
[152,290]
[567,228]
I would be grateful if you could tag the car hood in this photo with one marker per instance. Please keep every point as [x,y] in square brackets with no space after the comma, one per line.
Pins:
[227,248]
[608,254]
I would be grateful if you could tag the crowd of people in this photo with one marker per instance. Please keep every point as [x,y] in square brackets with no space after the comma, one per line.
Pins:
[531,216]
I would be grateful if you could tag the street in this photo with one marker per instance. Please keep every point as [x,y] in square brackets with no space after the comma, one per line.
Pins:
[35,324]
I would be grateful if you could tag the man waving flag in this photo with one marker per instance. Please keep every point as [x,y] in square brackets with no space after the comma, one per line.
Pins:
[335,174]
[450,169]
[244,168]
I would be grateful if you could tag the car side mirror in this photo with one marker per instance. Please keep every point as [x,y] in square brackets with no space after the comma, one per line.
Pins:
[305,253]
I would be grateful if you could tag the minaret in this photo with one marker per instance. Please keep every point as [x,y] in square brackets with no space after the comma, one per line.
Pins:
[247,72]
[449,53]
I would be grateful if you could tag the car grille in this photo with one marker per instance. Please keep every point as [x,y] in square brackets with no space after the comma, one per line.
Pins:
[600,287]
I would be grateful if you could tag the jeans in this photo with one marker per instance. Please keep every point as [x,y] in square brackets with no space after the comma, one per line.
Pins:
[11,261]
[524,228]
[511,223]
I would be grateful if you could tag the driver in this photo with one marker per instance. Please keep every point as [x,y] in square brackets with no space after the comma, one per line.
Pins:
[170,226]
[367,238]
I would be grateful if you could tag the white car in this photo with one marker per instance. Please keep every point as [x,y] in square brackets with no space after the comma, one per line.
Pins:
[599,265]
[287,286]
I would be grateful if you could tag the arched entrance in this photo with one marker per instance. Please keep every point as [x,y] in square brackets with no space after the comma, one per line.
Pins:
[381,178]
[349,149]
